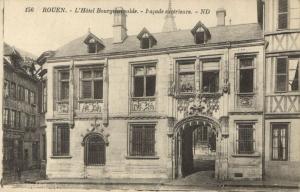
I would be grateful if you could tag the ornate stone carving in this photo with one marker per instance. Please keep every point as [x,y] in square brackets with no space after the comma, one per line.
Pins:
[246,101]
[63,107]
[97,128]
[90,106]
[142,104]
[200,104]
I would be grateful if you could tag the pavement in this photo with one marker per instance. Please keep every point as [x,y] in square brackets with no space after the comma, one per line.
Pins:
[198,179]
[202,179]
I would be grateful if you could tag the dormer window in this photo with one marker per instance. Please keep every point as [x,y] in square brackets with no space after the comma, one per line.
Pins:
[199,36]
[147,40]
[201,33]
[94,44]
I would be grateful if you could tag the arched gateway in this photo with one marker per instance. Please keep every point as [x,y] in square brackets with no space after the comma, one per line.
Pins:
[199,140]
[195,145]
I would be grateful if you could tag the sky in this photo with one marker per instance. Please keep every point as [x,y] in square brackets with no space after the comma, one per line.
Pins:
[37,31]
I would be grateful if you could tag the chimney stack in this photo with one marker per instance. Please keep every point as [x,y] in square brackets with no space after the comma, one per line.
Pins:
[221,13]
[119,27]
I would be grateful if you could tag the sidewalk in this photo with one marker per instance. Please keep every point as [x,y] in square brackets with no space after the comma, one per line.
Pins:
[195,180]
[104,181]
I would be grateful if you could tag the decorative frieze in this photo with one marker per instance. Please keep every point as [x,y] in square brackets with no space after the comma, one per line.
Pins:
[144,104]
[90,106]
[199,104]
[246,101]
[62,107]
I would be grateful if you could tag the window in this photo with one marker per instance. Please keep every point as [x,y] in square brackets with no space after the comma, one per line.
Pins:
[245,138]
[13,90]
[44,147]
[21,93]
[280,141]
[246,75]
[142,140]
[288,14]
[26,95]
[27,121]
[32,97]
[199,36]
[64,85]
[144,80]
[6,117]
[61,140]
[35,151]
[6,88]
[145,42]
[282,14]
[186,76]
[210,76]
[94,150]
[92,84]
[13,118]
[287,74]
[18,119]
[92,46]
[44,97]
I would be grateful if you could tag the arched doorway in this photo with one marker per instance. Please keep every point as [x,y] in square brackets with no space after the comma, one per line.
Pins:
[195,141]
[94,150]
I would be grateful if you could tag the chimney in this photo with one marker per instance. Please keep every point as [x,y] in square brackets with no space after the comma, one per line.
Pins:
[221,13]
[119,27]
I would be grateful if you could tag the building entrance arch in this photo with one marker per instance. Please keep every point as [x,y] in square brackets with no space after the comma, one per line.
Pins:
[195,140]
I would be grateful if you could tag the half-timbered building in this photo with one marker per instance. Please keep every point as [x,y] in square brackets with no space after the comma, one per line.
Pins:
[282,98]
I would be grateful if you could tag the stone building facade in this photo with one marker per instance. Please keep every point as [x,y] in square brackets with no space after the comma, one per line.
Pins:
[282,98]
[20,115]
[157,105]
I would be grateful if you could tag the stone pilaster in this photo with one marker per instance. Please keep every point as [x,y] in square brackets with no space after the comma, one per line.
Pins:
[71,94]
[105,93]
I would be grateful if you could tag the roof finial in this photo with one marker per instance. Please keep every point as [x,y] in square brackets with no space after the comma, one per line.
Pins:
[169,24]
[89,29]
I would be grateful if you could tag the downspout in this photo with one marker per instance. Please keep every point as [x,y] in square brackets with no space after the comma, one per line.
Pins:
[264,97]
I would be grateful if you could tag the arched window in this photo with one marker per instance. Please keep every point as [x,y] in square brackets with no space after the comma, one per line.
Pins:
[94,150]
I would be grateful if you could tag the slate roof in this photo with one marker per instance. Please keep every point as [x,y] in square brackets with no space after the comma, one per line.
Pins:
[175,39]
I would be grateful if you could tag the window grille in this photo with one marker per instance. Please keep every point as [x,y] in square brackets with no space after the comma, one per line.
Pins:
[142,140]
[245,138]
[95,150]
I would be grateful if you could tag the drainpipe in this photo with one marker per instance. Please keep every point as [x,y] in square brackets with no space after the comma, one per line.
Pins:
[264,97]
